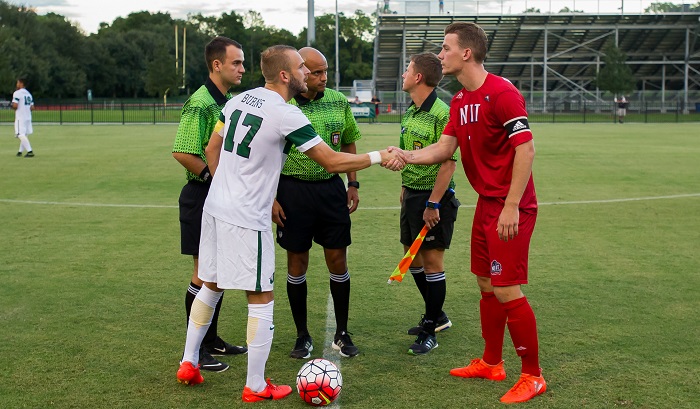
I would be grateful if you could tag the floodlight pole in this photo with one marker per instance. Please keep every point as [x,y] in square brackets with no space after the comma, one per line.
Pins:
[337,58]
[311,30]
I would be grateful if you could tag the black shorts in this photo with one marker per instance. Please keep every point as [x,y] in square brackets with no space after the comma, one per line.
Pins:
[191,203]
[412,208]
[315,211]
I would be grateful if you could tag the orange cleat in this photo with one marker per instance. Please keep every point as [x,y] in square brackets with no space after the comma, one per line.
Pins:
[527,387]
[271,392]
[188,374]
[477,368]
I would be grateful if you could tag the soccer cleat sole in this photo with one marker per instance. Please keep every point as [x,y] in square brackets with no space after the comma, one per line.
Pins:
[444,327]
[308,353]
[343,354]
[417,353]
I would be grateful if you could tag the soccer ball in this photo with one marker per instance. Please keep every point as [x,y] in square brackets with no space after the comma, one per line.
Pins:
[319,382]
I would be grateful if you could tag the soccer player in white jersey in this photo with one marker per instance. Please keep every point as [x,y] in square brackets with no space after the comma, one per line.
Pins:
[23,104]
[245,154]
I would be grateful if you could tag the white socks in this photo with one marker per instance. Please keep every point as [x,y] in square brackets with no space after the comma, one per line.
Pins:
[260,331]
[200,320]
[24,143]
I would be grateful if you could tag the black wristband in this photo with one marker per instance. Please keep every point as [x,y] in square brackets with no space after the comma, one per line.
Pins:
[205,175]
[354,183]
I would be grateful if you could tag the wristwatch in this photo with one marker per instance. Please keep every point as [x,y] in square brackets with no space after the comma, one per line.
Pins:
[432,205]
[354,183]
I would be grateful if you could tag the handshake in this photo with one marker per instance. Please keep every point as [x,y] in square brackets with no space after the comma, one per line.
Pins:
[394,158]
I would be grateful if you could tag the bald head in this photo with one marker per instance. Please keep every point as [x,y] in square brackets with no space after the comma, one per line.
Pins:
[316,62]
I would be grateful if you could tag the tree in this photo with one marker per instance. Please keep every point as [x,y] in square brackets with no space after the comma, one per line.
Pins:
[568,10]
[161,75]
[667,7]
[615,76]
[355,45]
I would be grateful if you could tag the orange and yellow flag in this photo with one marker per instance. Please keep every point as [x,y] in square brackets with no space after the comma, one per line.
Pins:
[405,263]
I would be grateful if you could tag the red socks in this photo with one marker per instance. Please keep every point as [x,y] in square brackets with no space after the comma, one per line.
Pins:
[493,327]
[521,325]
[523,331]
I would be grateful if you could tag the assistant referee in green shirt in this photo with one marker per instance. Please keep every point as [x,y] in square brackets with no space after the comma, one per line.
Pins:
[199,115]
[422,187]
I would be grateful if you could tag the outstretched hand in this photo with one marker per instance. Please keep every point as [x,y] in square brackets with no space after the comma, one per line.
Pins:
[393,158]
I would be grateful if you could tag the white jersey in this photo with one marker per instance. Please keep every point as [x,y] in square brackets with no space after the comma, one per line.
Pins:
[259,129]
[24,102]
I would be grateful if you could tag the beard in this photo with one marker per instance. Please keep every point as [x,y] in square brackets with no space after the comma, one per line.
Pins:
[296,87]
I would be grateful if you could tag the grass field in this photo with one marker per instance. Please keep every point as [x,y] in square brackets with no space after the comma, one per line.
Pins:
[91,301]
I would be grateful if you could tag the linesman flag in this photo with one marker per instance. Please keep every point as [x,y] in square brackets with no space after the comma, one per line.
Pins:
[407,259]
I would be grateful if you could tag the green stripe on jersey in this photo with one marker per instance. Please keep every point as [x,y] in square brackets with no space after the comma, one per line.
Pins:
[258,285]
[302,135]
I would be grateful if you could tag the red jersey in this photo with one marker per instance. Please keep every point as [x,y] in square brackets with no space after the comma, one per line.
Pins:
[488,124]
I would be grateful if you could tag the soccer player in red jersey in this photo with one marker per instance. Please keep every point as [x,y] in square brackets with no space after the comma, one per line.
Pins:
[488,122]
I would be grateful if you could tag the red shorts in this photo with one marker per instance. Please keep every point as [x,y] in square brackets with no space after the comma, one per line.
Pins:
[505,262]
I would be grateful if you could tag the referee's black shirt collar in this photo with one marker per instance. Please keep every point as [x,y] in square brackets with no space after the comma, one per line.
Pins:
[428,103]
[302,100]
[219,98]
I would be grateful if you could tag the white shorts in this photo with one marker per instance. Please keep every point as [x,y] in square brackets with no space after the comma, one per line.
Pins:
[236,258]
[621,111]
[23,127]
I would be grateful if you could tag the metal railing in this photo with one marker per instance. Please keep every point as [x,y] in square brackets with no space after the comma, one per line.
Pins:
[157,113]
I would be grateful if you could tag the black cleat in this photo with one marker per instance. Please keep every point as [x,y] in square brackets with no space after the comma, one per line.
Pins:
[209,363]
[29,154]
[19,154]
[343,343]
[423,344]
[221,347]
[303,347]
[443,323]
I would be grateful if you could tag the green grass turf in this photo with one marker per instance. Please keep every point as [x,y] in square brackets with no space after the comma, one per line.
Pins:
[91,301]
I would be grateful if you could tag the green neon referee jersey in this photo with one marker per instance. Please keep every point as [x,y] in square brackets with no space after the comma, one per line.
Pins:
[420,127]
[330,115]
[199,116]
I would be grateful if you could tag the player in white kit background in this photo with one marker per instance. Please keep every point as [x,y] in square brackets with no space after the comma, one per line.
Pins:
[245,154]
[23,104]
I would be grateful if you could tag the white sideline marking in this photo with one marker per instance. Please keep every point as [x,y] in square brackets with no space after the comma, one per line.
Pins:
[328,352]
[147,206]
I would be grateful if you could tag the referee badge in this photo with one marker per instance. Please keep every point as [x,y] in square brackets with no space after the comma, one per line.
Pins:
[335,138]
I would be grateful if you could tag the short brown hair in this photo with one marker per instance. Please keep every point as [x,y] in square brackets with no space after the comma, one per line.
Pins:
[430,66]
[216,50]
[273,60]
[471,36]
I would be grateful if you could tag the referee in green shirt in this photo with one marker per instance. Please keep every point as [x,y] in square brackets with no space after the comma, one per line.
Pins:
[313,204]
[422,187]
[199,115]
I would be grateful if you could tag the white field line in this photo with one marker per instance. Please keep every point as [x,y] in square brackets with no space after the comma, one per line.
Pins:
[328,352]
[149,206]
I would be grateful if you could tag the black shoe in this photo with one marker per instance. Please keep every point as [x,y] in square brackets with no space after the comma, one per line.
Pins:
[423,344]
[19,154]
[303,347]
[443,323]
[209,363]
[221,347]
[343,343]
[29,154]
